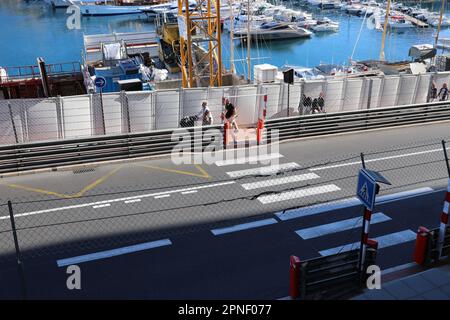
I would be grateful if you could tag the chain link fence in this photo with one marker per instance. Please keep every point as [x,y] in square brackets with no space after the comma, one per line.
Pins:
[32,120]
[49,227]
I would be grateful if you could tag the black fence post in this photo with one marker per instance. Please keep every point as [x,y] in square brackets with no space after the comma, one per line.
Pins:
[20,267]
[446,157]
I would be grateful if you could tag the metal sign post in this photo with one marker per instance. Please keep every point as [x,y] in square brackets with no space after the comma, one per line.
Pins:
[366,191]
[100,82]
[445,210]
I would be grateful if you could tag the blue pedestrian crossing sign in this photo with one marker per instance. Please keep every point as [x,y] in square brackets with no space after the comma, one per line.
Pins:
[367,189]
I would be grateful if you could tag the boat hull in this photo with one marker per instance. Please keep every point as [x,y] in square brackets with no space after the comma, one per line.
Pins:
[105,10]
[273,35]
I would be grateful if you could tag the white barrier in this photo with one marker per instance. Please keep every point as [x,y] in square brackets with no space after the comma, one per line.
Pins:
[26,120]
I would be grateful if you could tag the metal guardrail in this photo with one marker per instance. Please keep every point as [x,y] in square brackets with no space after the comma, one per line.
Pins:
[322,124]
[50,154]
[335,276]
[432,251]
[29,156]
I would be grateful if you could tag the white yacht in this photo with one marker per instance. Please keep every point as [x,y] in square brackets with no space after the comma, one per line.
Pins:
[326,25]
[58,3]
[107,8]
[274,31]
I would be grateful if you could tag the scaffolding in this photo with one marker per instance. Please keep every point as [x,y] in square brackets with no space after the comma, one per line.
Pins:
[200,31]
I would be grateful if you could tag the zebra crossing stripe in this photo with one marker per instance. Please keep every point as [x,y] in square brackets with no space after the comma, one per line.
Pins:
[334,227]
[299,193]
[251,159]
[385,241]
[267,170]
[279,181]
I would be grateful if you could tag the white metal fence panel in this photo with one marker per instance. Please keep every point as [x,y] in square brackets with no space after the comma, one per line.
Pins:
[273,94]
[140,111]
[423,88]
[76,116]
[408,87]
[41,119]
[192,99]
[389,91]
[7,135]
[333,95]
[246,104]
[112,113]
[353,94]
[167,109]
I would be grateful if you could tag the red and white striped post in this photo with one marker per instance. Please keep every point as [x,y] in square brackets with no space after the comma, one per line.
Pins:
[444,220]
[261,120]
[365,237]
[444,215]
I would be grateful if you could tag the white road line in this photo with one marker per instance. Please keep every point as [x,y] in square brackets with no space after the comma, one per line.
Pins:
[117,200]
[279,181]
[374,160]
[348,203]
[252,159]
[244,226]
[268,170]
[113,252]
[385,241]
[102,206]
[343,225]
[189,192]
[162,196]
[133,201]
[300,193]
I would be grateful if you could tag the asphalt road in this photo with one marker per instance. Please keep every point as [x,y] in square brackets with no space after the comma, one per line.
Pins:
[63,214]
[245,264]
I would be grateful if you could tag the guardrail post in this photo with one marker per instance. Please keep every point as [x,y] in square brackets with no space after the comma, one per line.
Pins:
[20,267]
[370,259]
[125,111]
[421,249]
[226,128]
[294,283]
[12,122]
[261,120]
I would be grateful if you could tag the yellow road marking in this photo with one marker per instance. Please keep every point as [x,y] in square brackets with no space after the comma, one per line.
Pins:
[203,174]
[62,195]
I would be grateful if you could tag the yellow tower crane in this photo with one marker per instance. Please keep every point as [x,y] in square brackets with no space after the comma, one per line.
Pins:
[198,25]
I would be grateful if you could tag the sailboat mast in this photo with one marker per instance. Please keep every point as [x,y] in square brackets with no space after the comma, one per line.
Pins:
[386,21]
[249,62]
[440,22]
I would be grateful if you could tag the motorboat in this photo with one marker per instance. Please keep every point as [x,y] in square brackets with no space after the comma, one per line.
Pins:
[273,31]
[326,25]
[354,9]
[399,22]
[58,3]
[109,7]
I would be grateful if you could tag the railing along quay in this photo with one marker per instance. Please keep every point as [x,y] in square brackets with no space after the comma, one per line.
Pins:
[51,154]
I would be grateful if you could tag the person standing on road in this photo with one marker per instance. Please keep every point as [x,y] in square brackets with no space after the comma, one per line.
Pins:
[443,93]
[321,103]
[433,92]
[205,115]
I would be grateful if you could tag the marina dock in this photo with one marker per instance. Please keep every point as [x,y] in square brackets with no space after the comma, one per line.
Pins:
[418,23]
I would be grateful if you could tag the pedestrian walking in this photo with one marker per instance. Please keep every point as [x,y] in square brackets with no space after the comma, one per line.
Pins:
[433,92]
[443,93]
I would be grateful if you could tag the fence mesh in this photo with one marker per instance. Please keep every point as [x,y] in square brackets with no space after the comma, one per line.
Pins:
[103,218]
[31,120]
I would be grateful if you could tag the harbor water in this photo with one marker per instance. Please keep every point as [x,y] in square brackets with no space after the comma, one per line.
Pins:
[32,29]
